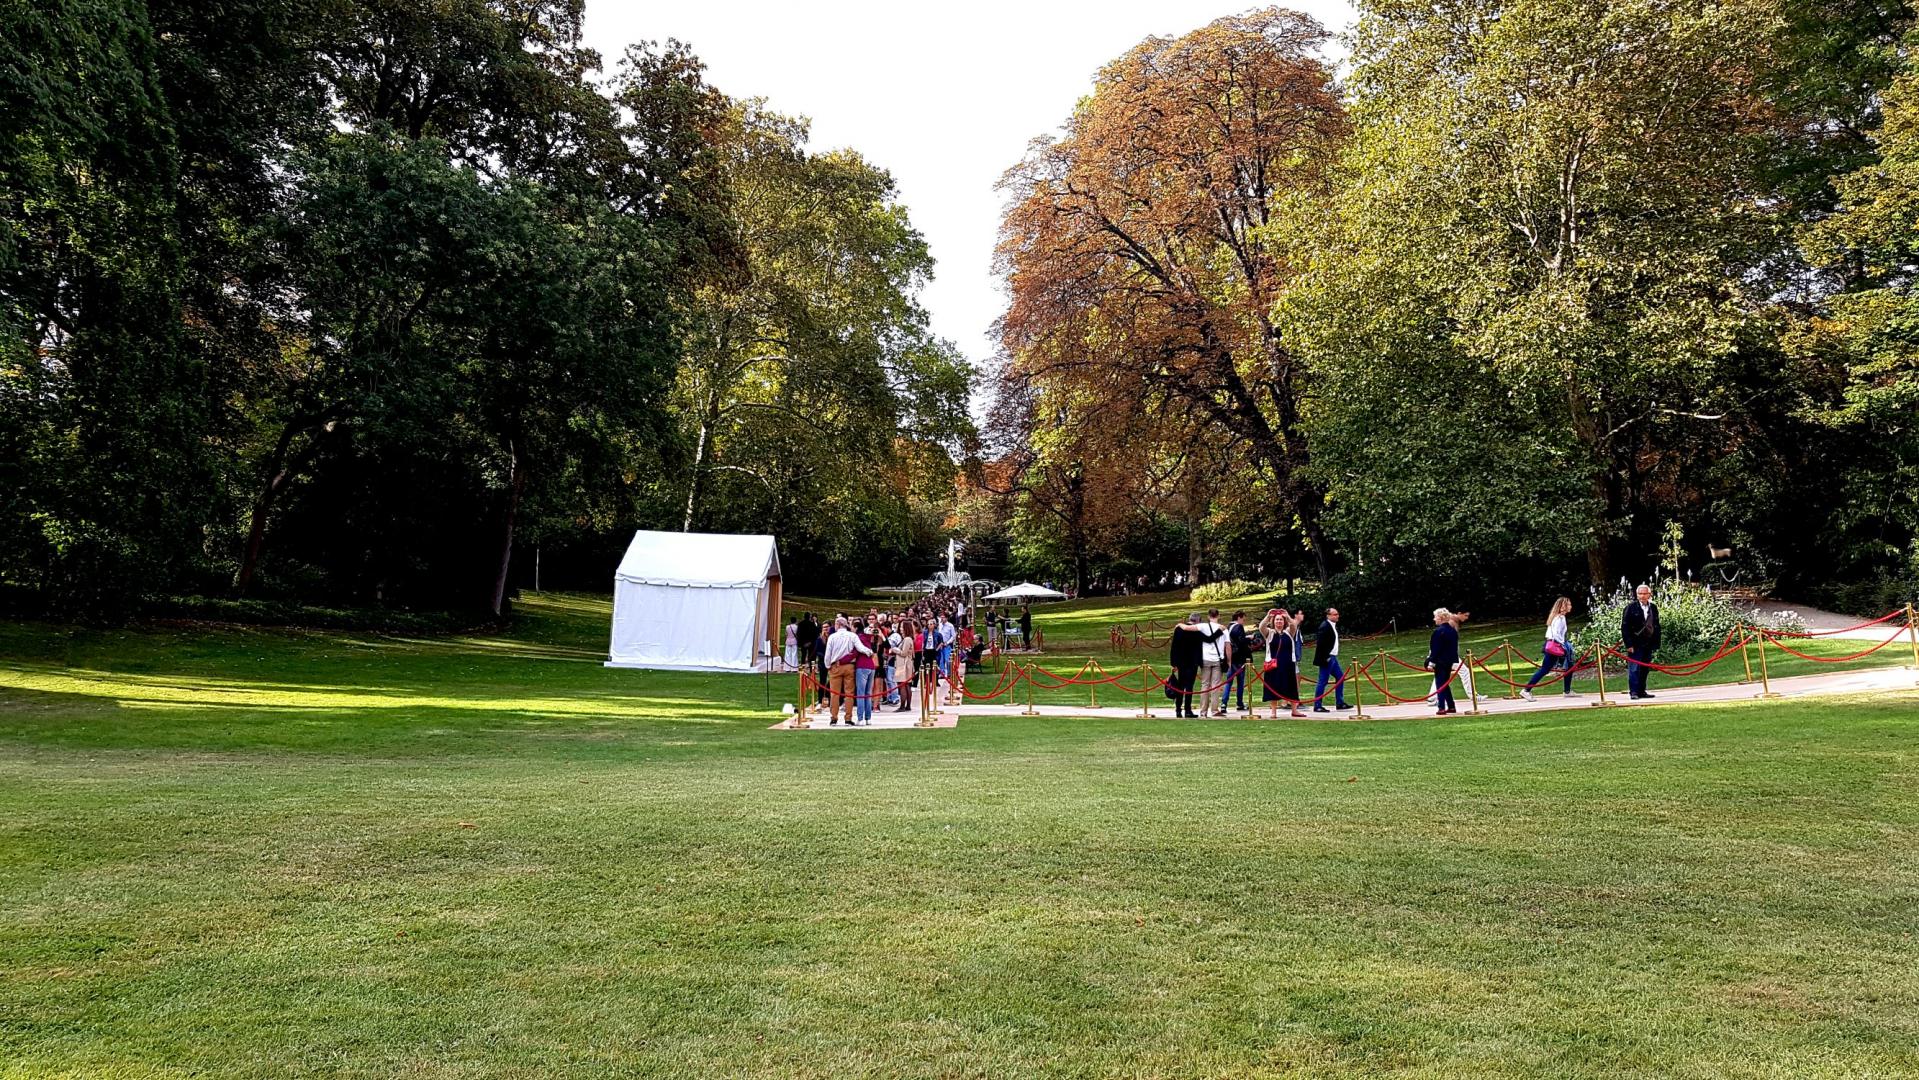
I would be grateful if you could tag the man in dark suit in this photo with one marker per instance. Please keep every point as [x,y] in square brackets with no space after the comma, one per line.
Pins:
[1326,659]
[1639,629]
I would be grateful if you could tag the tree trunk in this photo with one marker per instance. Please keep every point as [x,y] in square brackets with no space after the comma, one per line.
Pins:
[699,461]
[516,487]
[276,476]
[278,473]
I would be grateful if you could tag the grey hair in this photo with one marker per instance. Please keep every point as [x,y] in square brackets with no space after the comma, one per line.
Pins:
[1441,613]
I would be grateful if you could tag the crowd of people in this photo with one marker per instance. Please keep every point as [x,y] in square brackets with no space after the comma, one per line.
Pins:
[1211,660]
[862,663]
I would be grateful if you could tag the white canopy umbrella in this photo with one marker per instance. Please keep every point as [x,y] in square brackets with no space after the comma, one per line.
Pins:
[1026,590]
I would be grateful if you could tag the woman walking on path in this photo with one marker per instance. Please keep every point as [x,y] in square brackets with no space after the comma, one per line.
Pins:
[1280,680]
[1556,651]
[1442,657]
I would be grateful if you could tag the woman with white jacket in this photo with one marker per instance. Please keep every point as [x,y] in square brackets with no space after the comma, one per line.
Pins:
[1556,651]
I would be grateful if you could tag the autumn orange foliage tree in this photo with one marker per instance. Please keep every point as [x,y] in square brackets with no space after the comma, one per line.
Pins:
[1139,262]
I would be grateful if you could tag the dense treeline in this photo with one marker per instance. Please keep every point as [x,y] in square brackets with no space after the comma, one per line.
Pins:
[1537,283]
[362,300]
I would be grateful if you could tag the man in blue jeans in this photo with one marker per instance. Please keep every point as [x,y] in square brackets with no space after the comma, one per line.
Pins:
[1326,658]
[1239,654]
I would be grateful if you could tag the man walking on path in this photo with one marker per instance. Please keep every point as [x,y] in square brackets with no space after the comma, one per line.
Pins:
[843,648]
[1326,658]
[1639,630]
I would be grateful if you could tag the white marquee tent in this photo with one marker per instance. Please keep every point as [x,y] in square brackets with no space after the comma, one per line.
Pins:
[696,602]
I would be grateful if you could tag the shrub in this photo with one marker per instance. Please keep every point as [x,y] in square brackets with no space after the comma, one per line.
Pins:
[1692,620]
[1216,591]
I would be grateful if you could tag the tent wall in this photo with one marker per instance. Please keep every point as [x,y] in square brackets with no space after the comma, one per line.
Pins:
[677,626]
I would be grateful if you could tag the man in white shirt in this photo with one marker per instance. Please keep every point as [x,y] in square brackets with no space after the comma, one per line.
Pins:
[841,648]
[1212,666]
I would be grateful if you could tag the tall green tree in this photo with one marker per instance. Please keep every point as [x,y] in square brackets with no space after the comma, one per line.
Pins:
[810,387]
[1866,340]
[1533,288]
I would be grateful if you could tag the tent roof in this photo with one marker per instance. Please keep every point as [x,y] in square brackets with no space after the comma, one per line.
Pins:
[700,560]
[1026,590]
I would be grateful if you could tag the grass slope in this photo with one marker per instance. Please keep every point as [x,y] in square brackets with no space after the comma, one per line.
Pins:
[244,853]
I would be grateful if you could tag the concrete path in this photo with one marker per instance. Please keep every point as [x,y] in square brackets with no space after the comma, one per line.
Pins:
[1665,692]
[1823,622]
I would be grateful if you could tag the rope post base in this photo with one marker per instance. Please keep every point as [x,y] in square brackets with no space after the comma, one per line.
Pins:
[1765,677]
[1599,666]
[1472,686]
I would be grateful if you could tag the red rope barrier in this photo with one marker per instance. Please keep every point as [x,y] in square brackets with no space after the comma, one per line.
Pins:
[1682,671]
[1000,688]
[1430,694]
[1783,647]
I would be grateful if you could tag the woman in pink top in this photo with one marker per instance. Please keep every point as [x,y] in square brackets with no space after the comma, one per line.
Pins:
[864,668]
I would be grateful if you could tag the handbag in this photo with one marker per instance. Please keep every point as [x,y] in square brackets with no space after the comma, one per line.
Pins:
[1554,649]
[1270,664]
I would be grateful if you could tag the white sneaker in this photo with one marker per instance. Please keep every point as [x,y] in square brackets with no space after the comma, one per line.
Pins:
[1527,694]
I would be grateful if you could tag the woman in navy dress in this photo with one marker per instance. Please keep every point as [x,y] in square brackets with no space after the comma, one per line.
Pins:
[1442,656]
[1280,681]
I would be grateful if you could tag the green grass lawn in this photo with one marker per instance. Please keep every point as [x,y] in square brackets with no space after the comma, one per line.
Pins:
[231,852]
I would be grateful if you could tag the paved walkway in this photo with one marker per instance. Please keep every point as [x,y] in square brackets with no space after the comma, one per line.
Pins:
[1666,691]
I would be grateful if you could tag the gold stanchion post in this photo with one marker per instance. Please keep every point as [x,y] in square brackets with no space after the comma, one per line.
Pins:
[1472,686]
[1512,691]
[1145,691]
[1092,688]
[803,717]
[1912,636]
[1030,711]
[1011,700]
[1765,678]
[1359,697]
[1599,665]
[1745,657]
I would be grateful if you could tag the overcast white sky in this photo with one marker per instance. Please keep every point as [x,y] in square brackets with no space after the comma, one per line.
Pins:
[945,96]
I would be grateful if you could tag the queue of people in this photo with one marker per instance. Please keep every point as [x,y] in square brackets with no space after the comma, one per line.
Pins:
[861,663]
[1210,660]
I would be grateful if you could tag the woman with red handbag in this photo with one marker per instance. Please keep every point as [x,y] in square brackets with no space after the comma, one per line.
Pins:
[1556,652]
[1280,679]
